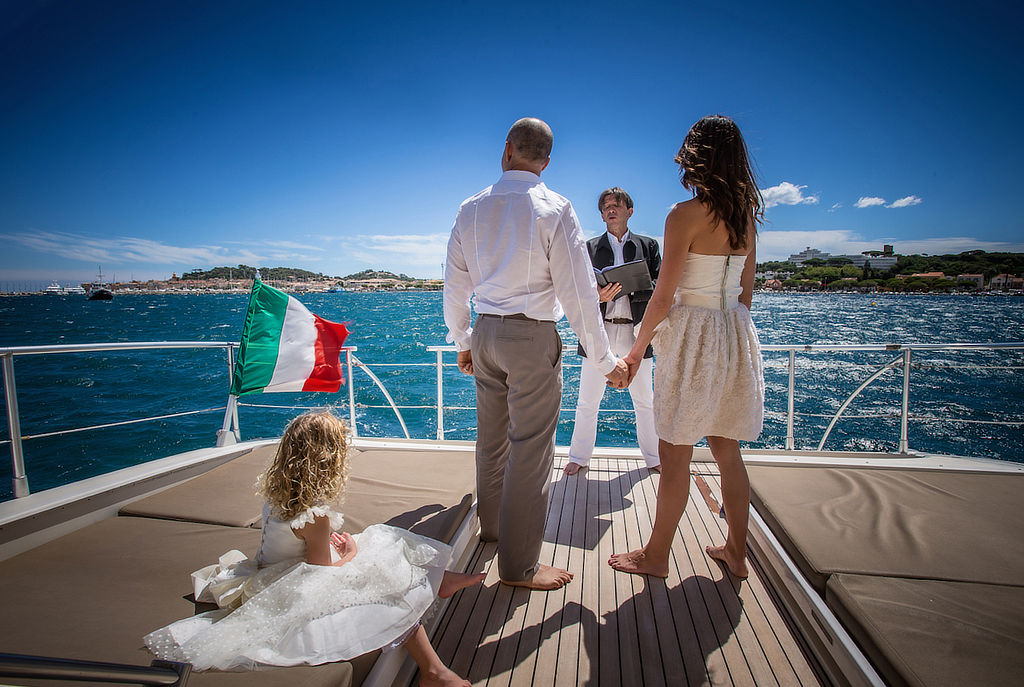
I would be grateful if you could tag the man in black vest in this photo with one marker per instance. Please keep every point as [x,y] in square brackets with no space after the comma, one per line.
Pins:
[617,246]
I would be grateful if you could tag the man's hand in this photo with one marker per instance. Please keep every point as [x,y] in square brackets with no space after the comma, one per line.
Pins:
[619,377]
[465,360]
[609,291]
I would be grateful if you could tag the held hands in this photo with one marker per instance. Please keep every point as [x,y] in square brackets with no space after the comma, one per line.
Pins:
[633,365]
[465,361]
[345,545]
[619,377]
[609,291]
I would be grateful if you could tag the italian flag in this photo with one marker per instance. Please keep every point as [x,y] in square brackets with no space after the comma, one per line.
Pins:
[285,347]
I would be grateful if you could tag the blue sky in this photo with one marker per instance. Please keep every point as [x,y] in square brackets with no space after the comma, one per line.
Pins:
[158,137]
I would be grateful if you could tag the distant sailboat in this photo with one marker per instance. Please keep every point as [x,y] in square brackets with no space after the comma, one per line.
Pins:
[99,290]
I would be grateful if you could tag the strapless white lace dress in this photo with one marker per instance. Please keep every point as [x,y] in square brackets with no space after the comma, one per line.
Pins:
[708,376]
[275,609]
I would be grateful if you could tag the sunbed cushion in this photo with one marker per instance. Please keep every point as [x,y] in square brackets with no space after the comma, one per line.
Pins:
[944,525]
[428,492]
[93,595]
[927,632]
[225,495]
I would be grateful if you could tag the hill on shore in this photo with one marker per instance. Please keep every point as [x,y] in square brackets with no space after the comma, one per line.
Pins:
[286,274]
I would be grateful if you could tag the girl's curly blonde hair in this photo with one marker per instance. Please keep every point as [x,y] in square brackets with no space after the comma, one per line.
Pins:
[310,467]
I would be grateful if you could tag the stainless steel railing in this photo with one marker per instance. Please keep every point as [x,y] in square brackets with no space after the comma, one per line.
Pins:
[902,361]
[165,673]
[229,432]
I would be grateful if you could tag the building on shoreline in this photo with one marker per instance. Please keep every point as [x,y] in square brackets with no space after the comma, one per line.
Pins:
[878,259]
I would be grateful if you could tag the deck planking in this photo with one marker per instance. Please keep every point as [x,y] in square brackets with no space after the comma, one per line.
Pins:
[700,626]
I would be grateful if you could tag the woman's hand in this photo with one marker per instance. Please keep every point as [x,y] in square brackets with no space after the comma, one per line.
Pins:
[633,363]
[345,546]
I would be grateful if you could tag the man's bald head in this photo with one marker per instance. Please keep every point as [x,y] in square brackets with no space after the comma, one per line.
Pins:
[532,139]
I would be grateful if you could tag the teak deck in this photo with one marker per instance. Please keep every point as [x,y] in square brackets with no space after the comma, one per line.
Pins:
[700,626]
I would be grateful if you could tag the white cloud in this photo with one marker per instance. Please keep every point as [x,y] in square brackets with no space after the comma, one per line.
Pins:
[869,201]
[786,194]
[904,202]
[405,251]
[835,207]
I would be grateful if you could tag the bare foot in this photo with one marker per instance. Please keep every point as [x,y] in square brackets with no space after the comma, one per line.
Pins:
[442,677]
[655,468]
[572,468]
[636,562]
[736,567]
[545,579]
[453,582]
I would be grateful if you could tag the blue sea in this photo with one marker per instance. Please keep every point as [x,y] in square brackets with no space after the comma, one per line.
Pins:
[954,395]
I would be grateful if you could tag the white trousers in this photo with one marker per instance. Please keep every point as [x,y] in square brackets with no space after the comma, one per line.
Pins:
[592,388]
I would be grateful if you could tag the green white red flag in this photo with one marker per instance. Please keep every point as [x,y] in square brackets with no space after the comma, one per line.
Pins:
[285,347]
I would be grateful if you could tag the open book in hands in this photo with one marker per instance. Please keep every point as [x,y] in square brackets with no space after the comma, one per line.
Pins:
[633,276]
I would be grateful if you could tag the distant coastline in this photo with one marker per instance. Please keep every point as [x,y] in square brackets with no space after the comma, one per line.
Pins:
[973,271]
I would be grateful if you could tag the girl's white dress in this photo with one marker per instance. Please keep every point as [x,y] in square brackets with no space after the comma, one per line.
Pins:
[275,609]
[708,375]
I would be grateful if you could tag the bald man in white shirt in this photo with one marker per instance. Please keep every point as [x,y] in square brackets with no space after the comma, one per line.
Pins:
[518,249]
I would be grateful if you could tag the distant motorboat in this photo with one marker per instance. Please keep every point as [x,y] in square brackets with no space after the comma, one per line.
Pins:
[54,289]
[99,290]
[75,290]
[100,293]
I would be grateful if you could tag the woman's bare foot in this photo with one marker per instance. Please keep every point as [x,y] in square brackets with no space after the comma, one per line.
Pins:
[736,567]
[572,468]
[545,579]
[638,563]
[453,582]
[655,468]
[442,677]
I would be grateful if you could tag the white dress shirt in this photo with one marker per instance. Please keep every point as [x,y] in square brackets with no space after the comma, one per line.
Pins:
[517,247]
[619,308]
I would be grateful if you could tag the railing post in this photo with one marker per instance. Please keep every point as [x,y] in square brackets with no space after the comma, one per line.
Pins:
[229,432]
[440,395]
[351,394]
[790,440]
[19,480]
[904,413]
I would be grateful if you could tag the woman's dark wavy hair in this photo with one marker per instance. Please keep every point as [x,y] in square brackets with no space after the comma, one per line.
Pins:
[715,165]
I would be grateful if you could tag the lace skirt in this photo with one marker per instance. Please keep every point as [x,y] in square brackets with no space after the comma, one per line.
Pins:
[312,614]
[708,375]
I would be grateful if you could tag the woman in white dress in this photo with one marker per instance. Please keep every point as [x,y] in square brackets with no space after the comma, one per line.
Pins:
[708,379]
[312,595]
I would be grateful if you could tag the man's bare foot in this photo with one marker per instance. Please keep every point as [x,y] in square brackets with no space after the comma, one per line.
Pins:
[572,468]
[442,677]
[736,567]
[453,582]
[655,468]
[545,579]
[637,563]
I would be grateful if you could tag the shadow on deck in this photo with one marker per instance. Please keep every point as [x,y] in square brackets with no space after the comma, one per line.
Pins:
[700,626]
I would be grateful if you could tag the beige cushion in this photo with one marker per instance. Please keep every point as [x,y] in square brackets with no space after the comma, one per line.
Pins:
[927,632]
[429,493]
[225,495]
[943,525]
[426,492]
[93,595]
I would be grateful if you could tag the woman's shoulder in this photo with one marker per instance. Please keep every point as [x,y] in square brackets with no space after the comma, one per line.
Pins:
[310,515]
[687,217]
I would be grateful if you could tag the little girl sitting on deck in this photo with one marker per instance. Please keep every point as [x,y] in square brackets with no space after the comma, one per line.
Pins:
[312,595]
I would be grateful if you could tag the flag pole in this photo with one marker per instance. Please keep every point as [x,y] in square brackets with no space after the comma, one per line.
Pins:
[226,435]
